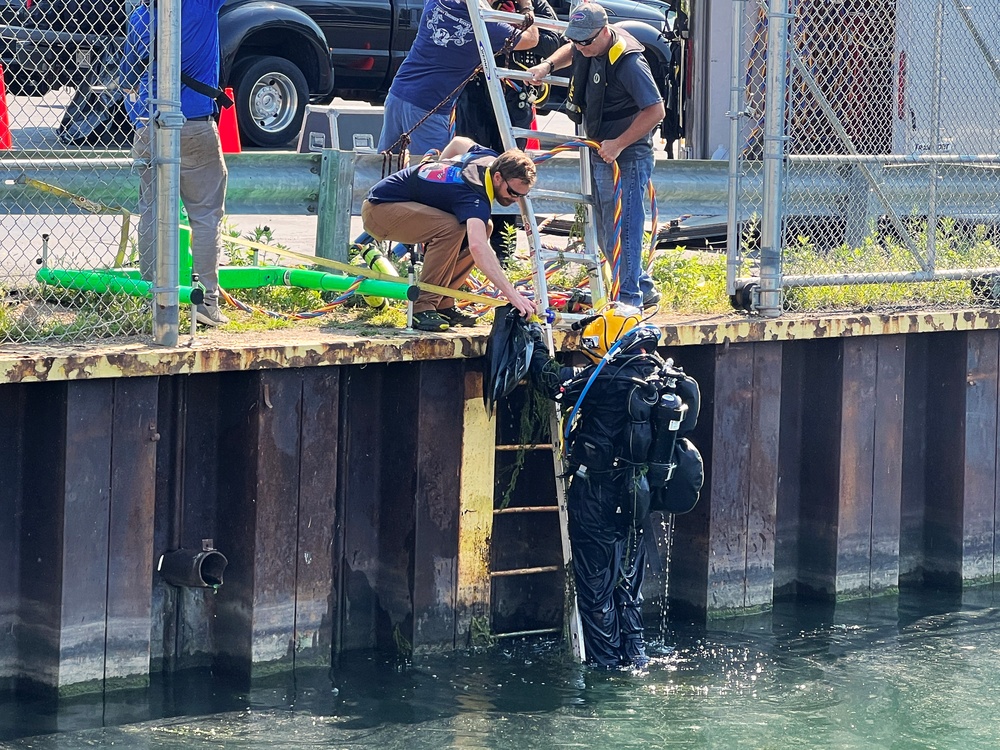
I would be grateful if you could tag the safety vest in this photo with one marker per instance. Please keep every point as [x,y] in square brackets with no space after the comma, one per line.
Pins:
[585,103]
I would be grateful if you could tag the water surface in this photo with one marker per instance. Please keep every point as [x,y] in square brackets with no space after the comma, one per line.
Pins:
[899,673]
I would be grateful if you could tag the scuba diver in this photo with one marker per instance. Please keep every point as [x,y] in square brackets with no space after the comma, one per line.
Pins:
[627,454]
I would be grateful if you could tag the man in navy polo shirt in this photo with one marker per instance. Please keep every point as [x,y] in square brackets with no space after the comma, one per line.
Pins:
[446,203]
[203,168]
[613,91]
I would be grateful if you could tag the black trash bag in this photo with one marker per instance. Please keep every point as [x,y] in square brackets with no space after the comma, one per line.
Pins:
[96,115]
[684,488]
[508,354]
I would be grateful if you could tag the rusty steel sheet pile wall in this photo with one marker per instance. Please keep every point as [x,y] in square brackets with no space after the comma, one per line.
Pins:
[355,502]
[841,468]
[331,491]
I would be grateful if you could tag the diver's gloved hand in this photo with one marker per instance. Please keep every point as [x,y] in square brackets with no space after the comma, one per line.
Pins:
[535,332]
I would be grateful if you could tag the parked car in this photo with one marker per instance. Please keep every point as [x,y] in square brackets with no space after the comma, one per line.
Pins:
[273,54]
[277,55]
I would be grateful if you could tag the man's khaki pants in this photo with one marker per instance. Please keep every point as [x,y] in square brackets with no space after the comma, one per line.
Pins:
[447,260]
[203,189]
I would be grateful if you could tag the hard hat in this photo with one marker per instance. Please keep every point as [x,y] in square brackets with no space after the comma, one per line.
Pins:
[602,331]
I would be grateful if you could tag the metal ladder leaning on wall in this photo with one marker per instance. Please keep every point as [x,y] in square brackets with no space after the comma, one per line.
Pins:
[589,257]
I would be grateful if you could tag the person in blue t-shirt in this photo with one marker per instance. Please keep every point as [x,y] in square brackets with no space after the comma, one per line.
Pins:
[203,170]
[474,116]
[445,203]
[442,57]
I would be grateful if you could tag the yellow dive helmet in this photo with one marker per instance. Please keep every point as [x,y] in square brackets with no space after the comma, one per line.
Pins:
[602,331]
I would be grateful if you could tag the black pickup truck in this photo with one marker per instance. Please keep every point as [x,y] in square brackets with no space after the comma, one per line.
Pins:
[277,55]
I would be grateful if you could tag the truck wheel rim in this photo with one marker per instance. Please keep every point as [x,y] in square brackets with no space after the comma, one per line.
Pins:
[273,101]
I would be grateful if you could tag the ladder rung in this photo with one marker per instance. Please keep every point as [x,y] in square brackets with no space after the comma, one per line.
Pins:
[572,317]
[566,257]
[559,195]
[534,446]
[526,571]
[514,19]
[543,136]
[517,633]
[522,75]
[527,509]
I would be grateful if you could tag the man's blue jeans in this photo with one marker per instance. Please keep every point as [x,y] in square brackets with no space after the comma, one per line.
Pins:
[634,280]
[400,116]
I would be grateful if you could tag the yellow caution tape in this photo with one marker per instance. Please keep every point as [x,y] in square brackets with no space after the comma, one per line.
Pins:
[370,273]
[100,208]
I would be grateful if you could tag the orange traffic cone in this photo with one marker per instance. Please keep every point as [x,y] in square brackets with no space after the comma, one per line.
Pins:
[5,139]
[229,131]
[533,144]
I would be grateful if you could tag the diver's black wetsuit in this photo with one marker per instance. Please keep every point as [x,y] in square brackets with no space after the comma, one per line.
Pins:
[608,501]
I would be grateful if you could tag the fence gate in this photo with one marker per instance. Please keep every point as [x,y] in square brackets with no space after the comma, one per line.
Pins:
[866,159]
[69,187]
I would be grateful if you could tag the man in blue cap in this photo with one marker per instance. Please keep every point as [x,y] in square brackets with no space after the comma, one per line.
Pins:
[612,91]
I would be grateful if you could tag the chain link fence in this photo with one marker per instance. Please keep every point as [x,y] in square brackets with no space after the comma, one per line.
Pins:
[881,124]
[69,185]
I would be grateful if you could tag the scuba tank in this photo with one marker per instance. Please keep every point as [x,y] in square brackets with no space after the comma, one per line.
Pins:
[668,414]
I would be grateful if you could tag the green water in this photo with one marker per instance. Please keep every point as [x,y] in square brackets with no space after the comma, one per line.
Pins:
[900,673]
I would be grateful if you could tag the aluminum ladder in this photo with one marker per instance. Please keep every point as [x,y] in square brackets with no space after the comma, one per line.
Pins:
[588,257]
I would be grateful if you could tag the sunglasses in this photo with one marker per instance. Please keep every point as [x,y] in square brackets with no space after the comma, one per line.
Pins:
[586,42]
[511,190]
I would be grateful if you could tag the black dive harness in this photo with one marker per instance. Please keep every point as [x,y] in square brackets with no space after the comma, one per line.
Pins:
[635,416]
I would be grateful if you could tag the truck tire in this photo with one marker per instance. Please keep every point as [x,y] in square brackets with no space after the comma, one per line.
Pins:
[19,83]
[271,95]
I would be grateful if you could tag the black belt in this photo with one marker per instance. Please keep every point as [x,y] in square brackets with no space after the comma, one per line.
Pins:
[203,118]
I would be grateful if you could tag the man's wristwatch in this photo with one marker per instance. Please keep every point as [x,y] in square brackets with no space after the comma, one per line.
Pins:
[548,62]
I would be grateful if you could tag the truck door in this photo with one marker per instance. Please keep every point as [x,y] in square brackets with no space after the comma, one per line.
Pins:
[359,33]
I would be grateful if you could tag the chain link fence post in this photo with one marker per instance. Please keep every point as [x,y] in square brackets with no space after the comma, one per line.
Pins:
[736,114]
[769,301]
[167,121]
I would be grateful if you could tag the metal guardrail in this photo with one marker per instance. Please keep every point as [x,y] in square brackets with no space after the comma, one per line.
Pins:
[322,184]
[332,185]
[259,183]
